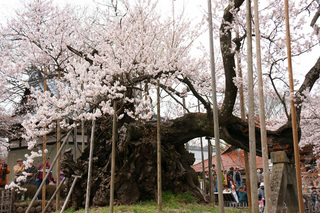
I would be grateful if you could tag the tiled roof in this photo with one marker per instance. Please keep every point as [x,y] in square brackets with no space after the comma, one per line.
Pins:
[229,159]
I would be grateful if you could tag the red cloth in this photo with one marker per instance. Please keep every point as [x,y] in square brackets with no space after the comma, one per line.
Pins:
[40,172]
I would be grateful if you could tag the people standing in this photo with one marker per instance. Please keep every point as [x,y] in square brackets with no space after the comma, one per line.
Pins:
[243,197]
[237,178]
[4,170]
[261,189]
[259,177]
[18,169]
[40,175]
[261,203]
[32,174]
[235,195]
[314,197]
[230,171]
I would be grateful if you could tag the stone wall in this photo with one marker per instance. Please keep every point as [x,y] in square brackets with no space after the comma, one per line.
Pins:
[21,207]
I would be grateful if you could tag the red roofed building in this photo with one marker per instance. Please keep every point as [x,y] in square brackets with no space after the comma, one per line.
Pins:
[230,157]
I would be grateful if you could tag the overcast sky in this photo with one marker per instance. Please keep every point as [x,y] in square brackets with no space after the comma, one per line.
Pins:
[194,9]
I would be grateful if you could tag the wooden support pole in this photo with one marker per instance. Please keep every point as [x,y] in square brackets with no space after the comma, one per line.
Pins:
[43,182]
[202,159]
[243,117]
[113,155]
[58,147]
[70,191]
[82,135]
[87,206]
[263,131]
[293,112]
[215,113]
[159,180]
[54,194]
[44,148]
[211,194]
[184,112]
[75,132]
[252,139]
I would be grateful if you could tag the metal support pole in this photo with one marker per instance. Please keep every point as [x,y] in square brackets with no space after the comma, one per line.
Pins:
[47,175]
[293,112]
[263,131]
[69,194]
[215,113]
[252,139]
[90,167]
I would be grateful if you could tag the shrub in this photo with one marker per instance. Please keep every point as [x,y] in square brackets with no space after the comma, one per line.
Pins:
[31,191]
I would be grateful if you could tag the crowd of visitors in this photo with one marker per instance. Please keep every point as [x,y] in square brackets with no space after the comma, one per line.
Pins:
[34,175]
[234,184]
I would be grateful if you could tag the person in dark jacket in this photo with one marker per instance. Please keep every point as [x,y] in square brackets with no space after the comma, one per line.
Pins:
[32,174]
[237,178]
[4,170]
[243,196]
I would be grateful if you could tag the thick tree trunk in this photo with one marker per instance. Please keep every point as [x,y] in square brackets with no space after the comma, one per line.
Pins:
[136,158]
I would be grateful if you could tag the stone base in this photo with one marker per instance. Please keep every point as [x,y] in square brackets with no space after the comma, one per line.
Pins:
[283,184]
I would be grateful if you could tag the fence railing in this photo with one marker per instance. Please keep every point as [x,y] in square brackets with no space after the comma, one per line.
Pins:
[6,200]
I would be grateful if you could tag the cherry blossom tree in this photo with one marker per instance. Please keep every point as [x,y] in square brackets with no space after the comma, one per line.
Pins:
[119,55]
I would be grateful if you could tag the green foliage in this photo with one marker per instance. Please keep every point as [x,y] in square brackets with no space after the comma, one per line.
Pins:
[31,190]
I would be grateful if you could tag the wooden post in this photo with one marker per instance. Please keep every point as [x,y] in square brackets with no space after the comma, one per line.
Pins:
[82,135]
[75,132]
[113,155]
[252,139]
[184,112]
[243,117]
[53,163]
[211,197]
[202,159]
[293,112]
[44,148]
[159,150]
[58,147]
[263,131]
[215,114]
[87,206]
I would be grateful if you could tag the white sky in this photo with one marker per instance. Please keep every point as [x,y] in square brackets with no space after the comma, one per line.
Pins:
[194,9]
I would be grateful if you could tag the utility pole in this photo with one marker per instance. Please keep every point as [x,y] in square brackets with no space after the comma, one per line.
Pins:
[215,113]
[159,150]
[293,112]
[263,131]
[252,139]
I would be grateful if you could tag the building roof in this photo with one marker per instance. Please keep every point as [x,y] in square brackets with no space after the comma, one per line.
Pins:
[234,158]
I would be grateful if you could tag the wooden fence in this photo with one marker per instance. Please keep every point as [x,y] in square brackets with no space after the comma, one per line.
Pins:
[6,198]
